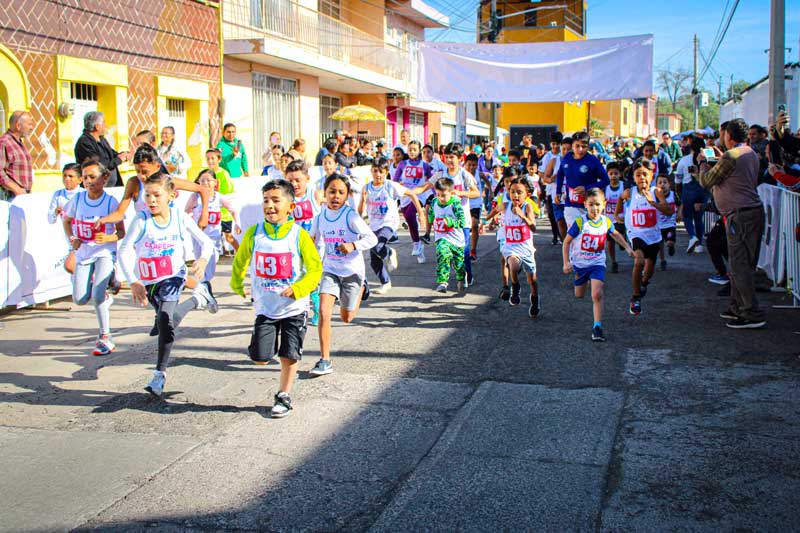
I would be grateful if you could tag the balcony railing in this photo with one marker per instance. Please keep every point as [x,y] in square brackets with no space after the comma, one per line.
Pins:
[314,32]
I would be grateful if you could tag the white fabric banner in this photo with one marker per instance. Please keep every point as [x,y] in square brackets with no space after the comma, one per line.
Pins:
[771,257]
[598,69]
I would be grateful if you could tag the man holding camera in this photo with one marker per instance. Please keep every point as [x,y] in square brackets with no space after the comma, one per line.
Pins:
[734,179]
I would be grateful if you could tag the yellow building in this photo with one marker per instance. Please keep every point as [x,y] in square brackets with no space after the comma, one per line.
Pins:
[624,118]
[522,21]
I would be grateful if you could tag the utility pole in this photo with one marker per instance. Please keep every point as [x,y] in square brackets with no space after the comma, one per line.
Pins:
[493,39]
[694,81]
[777,31]
[719,91]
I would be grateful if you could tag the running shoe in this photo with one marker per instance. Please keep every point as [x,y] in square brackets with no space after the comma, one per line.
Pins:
[425,238]
[671,249]
[597,334]
[554,242]
[416,249]
[442,287]
[322,368]
[636,306]
[717,279]
[473,256]
[728,315]
[392,261]
[505,293]
[535,309]
[615,268]
[283,404]
[383,289]
[394,238]
[744,323]
[514,299]
[693,242]
[699,249]
[156,385]
[421,256]
[113,284]
[103,346]
[365,294]
[204,297]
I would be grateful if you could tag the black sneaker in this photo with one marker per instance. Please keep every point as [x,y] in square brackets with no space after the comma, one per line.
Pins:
[728,315]
[425,238]
[554,242]
[114,285]
[643,290]
[514,299]
[154,329]
[663,266]
[534,309]
[671,249]
[743,323]
[394,238]
[597,334]
[636,306]
[505,293]
[365,294]
[615,268]
[283,404]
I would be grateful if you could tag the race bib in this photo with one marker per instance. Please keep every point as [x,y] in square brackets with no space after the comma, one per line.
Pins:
[303,210]
[378,210]
[593,243]
[517,234]
[643,218]
[152,268]
[610,208]
[214,218]
[459,187]
[274,266]
[440,225]
[576,198]
[84,230]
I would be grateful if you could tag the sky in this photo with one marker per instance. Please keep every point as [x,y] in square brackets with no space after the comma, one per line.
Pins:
[674,23]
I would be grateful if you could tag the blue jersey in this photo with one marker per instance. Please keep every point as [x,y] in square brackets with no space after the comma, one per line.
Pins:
[587,172]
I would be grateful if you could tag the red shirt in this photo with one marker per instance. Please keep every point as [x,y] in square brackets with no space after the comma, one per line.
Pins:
[15,163]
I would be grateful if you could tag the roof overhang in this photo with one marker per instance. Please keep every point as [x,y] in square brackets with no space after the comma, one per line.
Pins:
[419,12]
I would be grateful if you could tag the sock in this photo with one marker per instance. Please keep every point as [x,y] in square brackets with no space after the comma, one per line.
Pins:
[597,324]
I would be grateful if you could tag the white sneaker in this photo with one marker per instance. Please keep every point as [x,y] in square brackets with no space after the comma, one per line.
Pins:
[205,300]
[391,261]
[693,242]
[383,289]
[421,256]
[417,249]
[442,287]
[156,385]
[698,249]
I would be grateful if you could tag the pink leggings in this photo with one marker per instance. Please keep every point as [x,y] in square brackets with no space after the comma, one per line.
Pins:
[410,214]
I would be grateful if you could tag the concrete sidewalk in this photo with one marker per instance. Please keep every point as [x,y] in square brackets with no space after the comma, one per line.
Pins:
[446,413]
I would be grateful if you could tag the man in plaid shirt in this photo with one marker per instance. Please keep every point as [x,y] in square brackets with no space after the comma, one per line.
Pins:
[16,166]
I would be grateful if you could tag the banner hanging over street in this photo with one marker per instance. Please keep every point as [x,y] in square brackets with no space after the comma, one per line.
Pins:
[599,69]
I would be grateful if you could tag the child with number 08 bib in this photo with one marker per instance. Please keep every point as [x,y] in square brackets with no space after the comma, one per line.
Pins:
[584,252]
[157,271]
[284,268]
[519,222]
[642,204]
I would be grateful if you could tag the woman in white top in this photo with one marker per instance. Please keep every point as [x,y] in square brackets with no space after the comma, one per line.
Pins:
[174,159]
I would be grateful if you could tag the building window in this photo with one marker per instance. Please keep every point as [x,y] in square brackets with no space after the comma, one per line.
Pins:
[331,8]
[327,106]
[256,16]
[531,19]
[274,109]
[176,118]
[625,116]
[84,99]
[416,126]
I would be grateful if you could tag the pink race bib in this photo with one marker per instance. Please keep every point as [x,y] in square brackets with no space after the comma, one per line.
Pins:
[576,198]
[214,218]
[643,218]
[440,226]
[303,210]
[517,234]
[84,230]
[152,268]
[274,266]
[593,243]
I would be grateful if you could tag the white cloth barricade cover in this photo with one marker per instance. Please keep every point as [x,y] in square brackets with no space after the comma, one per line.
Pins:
[771,258]
[598,69]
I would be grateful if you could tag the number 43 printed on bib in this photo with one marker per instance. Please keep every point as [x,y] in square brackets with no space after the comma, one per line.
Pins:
[274,265]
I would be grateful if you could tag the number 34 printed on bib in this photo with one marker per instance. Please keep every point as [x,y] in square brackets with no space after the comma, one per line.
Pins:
[593,242]
[274,265]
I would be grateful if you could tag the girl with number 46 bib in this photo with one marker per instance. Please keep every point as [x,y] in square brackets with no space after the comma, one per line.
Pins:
[641,205]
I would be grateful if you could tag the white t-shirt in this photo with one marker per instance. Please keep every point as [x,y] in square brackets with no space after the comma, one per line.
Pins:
[463,181]
[682,170]
[551,187]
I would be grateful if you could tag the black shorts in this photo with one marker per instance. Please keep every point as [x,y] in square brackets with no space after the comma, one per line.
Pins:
[476,213]
[650,250]
[226,226]
[291,331]
[668,234]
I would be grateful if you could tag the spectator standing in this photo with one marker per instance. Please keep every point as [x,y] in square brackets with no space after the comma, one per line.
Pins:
[343,157]
[405,138]
[693,197]
[734,179]
[234,158]
[174,159]
[672,149]
[330,147]
[92,143]
[298,150]
[16,165]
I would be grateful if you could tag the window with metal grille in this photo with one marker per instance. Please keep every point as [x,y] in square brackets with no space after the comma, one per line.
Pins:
[332,8]
[416,126]
[274,109]
[83,91]
[176,108]
[327,106]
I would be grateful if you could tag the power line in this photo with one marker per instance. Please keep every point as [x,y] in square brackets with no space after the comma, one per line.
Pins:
[720,40]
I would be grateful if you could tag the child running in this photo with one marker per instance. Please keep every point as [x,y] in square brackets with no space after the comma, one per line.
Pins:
[519,223]
[95,249]
[583,252]
[344,234]
[381,198]
[156,271]
[447,218]
[216,202]
[284,268]
[641,204]
[509,173]
[667,223]
[224,187]
[411,173]
[71,178]
[613,191]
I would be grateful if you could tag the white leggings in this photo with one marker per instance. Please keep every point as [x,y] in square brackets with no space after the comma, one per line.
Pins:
[89,282]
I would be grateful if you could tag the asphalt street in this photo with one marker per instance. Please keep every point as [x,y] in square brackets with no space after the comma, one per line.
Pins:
[444,413]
